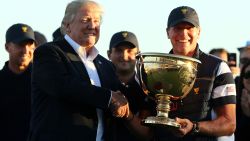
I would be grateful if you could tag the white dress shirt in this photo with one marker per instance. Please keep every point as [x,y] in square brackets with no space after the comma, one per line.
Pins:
[93,75]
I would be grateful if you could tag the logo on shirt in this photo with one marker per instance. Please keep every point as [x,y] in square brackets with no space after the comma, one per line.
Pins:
[196,90]
[231,89]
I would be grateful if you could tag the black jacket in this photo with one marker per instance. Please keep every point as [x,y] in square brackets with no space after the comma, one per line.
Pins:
[63,100]
[14,104]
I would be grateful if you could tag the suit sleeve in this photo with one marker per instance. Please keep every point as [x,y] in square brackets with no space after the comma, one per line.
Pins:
[55,76]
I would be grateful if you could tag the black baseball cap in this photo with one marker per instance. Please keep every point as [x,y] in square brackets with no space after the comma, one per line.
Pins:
[183,14]
[57,34]
[18,33]
[123,37]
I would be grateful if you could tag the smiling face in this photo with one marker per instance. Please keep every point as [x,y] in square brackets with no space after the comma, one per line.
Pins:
[85,27]
[184,37]
[20,55]
[123,57]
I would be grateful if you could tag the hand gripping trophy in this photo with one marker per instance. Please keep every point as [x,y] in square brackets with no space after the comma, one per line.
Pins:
[165,77]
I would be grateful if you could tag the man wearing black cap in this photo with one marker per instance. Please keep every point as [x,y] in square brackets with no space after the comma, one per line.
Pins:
[208,111]
[122,52]
[15,83]
[40,38]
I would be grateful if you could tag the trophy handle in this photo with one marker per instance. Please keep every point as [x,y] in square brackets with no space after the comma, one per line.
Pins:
[139,71]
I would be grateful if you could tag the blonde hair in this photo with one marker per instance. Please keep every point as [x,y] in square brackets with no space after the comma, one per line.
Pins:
[72,9]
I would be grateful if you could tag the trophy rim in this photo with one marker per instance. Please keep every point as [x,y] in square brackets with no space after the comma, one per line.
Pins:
[158,54]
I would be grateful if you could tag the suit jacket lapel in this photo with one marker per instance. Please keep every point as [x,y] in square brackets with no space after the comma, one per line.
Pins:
[99,67]
[74,58]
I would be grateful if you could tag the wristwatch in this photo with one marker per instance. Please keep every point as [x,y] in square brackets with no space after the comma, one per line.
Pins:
[195,129]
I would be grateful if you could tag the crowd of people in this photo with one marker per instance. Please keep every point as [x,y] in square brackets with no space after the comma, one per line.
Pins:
[64,90]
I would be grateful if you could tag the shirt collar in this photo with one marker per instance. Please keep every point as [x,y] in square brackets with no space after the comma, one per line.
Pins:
[81,50]
[7,70]
[196,54]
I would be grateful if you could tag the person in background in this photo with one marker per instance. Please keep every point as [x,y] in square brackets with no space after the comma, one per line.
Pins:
[220,52]
[75,90]
[233,65]
[230,58]
[243,109]
[40,38]
[57,34]
[208,111]
[241,120]
[15,79]
[244,54]
[122,52]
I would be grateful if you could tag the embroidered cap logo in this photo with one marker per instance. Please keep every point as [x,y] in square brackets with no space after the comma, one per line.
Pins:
[184,11]
[24,29]
[124,34]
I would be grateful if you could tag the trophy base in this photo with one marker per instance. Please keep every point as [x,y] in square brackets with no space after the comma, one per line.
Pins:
[160,121]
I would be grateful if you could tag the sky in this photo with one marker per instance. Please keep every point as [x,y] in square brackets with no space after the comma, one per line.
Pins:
[224,23]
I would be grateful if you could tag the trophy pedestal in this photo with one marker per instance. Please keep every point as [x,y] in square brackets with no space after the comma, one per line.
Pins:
[163,108]
[160,121]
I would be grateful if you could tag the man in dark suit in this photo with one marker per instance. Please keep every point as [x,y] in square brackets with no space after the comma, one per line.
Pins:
[73,87]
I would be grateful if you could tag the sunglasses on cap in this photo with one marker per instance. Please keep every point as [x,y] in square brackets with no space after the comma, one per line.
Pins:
[244,60]
[246,75]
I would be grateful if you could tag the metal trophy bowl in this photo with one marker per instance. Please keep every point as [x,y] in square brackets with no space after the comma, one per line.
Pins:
[165,77]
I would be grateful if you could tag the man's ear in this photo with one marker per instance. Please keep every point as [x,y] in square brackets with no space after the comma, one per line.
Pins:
[68,30]
[167,32]
[108,53]
[199,32]
[6,47]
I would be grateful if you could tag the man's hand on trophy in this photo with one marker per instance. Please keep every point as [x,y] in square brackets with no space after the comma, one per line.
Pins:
[185,128]
[119,105]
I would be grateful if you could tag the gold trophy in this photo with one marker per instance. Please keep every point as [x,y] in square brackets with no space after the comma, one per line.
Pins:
[165,77]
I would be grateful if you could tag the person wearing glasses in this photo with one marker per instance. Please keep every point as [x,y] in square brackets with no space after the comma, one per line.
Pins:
[244,58]
[243,104]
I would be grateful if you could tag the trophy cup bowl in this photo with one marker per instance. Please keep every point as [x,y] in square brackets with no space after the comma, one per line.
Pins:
[165,77]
